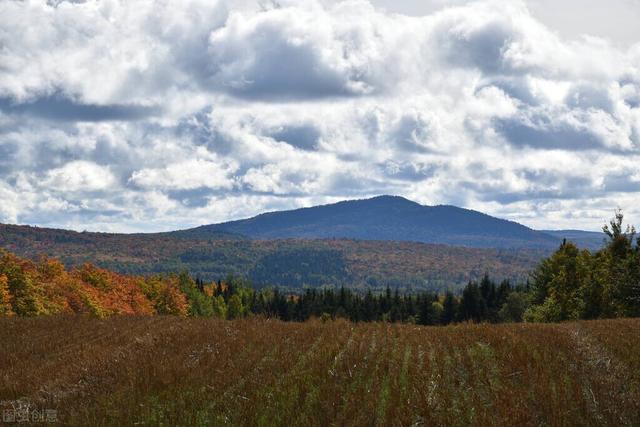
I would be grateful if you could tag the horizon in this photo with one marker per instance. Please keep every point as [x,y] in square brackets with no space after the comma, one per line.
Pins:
[294,209]
[117,117]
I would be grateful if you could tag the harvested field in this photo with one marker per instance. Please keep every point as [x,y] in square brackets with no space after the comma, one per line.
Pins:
[174,371]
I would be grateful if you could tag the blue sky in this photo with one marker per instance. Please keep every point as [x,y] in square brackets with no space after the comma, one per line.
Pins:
[145,115]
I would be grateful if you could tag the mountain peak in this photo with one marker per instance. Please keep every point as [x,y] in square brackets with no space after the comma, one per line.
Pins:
[391,199]
[388,217]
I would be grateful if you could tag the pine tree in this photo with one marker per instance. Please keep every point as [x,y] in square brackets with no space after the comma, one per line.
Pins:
[396,307]
[449,309]
[472,304]
[369,309]
[426,313]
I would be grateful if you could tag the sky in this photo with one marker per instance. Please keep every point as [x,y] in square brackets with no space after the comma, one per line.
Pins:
[143,115]
[615,20]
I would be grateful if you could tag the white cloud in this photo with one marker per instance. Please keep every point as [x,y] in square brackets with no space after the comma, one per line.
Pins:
[187,175]
[156,115]
[78,176]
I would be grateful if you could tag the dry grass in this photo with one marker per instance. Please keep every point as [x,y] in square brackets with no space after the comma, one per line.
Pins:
[173,371]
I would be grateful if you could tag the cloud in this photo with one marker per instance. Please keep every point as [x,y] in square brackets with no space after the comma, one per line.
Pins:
[186,175]
[152,116]
[287,53]
[60,108]
[546,130]
[570,129]
[305,137]
[78,176]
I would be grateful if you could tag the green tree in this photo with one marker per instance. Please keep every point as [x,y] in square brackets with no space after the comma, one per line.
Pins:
[369,307]
[199,304]
[426,311]
[472,304]
[437,311]
[624,291]
[514,307]
[235,309]
[557,283]
[593,282]
[26,301]
[219,307]
[449,309]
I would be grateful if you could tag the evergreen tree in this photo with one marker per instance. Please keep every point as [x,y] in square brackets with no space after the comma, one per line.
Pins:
[395,312]
[472,304]
[369,309]
[385,300]
[449,309]
[426,314]
[489,295]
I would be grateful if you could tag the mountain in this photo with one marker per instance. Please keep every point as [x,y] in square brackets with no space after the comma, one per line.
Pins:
[388,218]
[360,243]
[287,263]
[592,240]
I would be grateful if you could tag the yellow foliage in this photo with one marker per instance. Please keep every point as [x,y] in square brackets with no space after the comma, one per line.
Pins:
[5,297]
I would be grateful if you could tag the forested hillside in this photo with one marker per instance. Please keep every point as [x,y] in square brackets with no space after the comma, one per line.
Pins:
[46,288]
[568,285]
[288,263]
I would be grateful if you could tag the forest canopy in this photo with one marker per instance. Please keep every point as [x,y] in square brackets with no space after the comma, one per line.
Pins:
[569,284]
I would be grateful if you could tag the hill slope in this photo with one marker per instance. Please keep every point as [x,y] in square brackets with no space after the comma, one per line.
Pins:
[389,218]
[288,263]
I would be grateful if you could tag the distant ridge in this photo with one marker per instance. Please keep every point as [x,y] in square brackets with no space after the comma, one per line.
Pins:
[592,240]
[388,218]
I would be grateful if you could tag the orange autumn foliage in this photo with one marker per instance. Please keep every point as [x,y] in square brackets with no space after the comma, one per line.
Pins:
[112,293]
[52,289]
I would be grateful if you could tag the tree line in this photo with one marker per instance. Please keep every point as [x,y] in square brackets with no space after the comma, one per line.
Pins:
[483,301]
[579,284]
[570,284]
[30,288]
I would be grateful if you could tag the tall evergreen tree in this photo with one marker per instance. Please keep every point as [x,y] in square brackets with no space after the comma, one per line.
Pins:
[472,304]
[426,314]
[449,309]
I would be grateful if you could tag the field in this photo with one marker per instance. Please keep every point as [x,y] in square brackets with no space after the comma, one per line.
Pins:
[174,371]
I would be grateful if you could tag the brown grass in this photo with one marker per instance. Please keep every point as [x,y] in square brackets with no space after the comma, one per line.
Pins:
[172,371]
